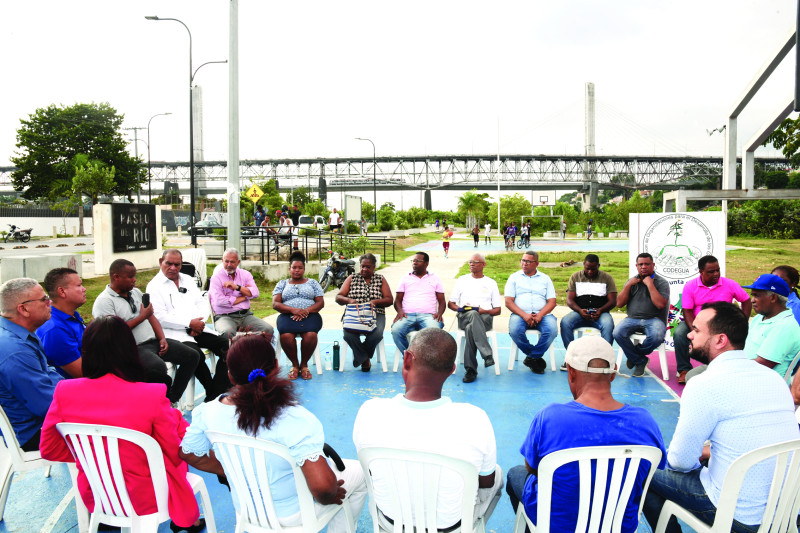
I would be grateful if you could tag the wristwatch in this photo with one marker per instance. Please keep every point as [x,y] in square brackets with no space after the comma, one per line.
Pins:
[239,288]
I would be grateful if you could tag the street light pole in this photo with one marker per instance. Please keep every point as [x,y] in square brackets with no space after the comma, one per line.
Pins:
[374,182]
[191,120]
[149,174]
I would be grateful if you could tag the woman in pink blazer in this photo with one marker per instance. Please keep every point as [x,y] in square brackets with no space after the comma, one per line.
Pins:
[111,393]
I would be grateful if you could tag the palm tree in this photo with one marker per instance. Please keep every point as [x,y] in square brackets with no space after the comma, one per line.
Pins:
[473,204]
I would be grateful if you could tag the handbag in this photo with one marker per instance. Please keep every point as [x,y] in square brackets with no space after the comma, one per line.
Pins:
[359,318]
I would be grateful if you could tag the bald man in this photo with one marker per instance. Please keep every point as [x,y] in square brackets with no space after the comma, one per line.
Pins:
[422,419]
[603,421]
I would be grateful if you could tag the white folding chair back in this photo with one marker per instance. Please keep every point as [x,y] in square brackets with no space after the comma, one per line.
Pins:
[783,502]
[380,356]
[577,333]
[638,338]
[412,478]
[398,355]
[534,335]
[607,500]
[315,357]
[461,343]
[197,257]
[13,459]
[790,371]
[244,459]
[96,449]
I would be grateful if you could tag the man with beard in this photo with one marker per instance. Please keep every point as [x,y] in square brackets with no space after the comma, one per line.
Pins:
[723,405]
[774,337]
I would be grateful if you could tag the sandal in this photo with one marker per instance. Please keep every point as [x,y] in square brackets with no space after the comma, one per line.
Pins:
[292,375]
[305,373]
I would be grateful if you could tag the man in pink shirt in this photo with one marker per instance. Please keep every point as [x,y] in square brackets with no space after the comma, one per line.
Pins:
[708,287]
[230,293]
[419,302]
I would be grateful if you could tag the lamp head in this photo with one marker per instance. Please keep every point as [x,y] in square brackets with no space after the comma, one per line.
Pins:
[152,17]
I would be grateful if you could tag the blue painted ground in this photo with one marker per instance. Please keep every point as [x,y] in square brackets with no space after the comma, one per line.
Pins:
[510,399]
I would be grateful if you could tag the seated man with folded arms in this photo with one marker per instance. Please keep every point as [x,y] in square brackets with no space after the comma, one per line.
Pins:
[27,382]
[603,421]
[736,404]
[709,286]
[62,335]
[424,420]
[774,337]
[121,298]
[182,311]
[531,298]
[230,292]
[476,299]
[591,294]
[647,298]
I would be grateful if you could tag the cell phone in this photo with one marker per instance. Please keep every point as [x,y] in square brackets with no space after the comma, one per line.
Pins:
[591,311]
[146,300]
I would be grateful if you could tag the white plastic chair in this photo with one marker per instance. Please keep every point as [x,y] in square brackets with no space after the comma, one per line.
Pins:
[783,503]
[398,355]
[412,478]
[13,459]
[534,335]
[788,375]
[244,460]
[380,355]
[315,357]
[461,343]
[638,338]
[608,500]
[96,448]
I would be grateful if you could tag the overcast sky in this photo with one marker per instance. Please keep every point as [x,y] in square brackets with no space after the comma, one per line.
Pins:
[417,77]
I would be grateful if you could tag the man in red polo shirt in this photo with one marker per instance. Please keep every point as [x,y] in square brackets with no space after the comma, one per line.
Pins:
[709,286]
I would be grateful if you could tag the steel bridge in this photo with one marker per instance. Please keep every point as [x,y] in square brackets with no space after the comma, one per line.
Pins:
[457,172]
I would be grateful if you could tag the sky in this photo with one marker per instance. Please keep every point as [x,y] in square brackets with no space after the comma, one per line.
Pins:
[416,77]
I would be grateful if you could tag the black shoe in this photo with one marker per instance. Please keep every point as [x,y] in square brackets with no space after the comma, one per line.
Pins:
[488,361]
[469,376]
[536,364]
[564,366]
[629,363]
[191,529]
[638,370]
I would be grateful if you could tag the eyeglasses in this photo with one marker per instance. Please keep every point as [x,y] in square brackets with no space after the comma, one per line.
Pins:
[476,262]
[528,261]
[43,299]
[417,260]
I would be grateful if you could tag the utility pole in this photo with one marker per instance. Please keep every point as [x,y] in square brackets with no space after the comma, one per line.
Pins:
[136,152]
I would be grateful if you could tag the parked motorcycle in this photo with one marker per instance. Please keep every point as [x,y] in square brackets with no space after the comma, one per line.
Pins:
[337,271]
[22,235]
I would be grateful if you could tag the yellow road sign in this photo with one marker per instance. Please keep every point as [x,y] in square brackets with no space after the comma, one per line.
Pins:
[255,193]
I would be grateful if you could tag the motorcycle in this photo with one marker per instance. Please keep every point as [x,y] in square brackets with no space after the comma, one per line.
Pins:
[337,270]
[22,235]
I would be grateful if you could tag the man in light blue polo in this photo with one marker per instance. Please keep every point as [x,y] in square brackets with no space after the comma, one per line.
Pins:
[530,296]
[774,337]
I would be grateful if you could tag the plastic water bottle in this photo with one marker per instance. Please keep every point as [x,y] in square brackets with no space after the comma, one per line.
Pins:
[335,355]
[327,360]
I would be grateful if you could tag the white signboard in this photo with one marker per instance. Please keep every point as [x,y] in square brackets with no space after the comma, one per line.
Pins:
[676,241]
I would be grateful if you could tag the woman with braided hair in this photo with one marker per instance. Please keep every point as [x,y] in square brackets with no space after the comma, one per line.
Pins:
[263,404]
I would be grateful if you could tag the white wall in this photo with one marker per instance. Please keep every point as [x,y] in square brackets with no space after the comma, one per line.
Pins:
[43,226]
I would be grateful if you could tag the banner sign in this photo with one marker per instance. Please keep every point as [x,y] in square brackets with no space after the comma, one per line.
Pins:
[676,241]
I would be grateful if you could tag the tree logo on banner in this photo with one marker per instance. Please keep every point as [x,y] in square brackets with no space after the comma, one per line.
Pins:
[676,242]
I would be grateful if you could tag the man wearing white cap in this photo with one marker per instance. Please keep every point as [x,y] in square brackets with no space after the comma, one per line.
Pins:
[603,421]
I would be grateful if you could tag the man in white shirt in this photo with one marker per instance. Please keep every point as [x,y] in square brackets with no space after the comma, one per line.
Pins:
[737,404]
[422,419]
[476,299]
[182,311]
[335,221]
[487,234]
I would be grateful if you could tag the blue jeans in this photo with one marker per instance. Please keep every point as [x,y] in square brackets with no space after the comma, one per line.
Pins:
[411,322]
[685,489]
[573,320]
[653,328]
[548,328]
[681,339]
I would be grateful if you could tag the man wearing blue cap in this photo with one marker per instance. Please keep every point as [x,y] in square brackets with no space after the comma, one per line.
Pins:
[774,336]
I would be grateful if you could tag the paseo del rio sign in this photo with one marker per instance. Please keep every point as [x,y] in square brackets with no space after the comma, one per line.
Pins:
[133,227]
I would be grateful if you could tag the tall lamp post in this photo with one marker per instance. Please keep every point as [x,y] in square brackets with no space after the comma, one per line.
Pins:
[191,120]
[374,182]
[149,174]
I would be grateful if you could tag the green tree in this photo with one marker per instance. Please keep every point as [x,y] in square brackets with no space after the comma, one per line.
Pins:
[472,206]
[367,211]
[512,208]
[92,178]
[777,179]
[787,139]
[52,136]
[300,196]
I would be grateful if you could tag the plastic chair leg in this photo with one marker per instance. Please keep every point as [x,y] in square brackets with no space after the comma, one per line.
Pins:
[514,352]
[6,474]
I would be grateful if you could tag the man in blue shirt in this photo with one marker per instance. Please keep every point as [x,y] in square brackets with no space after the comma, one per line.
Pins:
[738,405]
[531,296]
[26,382]
[594,418]
[62,335]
